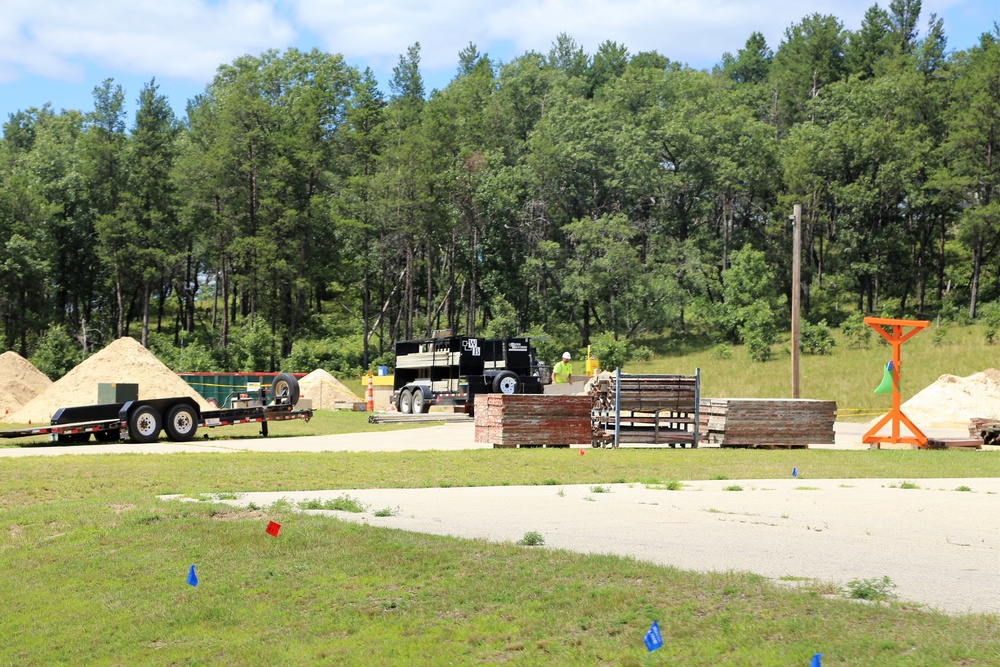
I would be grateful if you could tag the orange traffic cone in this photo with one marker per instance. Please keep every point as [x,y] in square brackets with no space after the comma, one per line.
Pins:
[370,395]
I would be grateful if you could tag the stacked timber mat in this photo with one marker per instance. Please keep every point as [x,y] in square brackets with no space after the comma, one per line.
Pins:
[532,420]
[423,418]
[645,410]
[767,423]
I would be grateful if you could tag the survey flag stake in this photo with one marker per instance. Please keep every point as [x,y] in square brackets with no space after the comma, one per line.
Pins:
[795,472]
[653,640]
[273,528]
[192,577]
[815,660]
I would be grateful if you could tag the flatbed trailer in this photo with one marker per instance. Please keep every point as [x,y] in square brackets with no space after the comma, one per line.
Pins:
[180,417]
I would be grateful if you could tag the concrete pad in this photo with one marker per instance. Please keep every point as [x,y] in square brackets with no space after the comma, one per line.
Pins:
[940,546]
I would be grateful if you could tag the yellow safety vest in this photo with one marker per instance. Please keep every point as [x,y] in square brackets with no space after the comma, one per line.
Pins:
[562,371]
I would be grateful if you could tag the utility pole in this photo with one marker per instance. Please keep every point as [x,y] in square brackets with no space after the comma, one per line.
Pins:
[796,292]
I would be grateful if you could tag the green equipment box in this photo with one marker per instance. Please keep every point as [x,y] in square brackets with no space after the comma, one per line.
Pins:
[116,393]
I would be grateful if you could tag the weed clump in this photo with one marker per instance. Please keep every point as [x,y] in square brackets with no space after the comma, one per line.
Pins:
[532,539]
[874,590]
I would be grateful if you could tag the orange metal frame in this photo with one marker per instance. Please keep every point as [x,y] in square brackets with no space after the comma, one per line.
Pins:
[896,339]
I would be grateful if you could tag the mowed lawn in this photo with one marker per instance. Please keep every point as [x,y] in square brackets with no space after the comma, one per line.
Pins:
[94,570]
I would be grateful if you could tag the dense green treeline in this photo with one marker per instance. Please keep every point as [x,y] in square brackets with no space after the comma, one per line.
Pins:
[299,215]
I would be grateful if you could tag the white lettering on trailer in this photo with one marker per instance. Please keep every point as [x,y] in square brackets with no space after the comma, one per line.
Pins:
[472,345]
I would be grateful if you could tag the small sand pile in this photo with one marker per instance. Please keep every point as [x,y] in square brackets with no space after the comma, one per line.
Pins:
[951,401]
[325,390]
[123,361]
[20,382]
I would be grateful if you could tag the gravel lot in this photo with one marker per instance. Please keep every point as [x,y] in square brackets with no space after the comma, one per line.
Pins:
[939,545]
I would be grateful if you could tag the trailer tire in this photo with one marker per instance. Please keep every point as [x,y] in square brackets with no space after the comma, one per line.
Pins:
[285,389]
[144,424]
[111,435]
[405,402]
[507,382]
[182,423]
[418,404]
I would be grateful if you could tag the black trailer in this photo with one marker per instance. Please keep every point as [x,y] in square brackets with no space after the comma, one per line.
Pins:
[180,417]
[451,370]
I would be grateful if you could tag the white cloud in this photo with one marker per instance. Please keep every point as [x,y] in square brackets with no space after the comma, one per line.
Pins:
[187,39]
[685,30]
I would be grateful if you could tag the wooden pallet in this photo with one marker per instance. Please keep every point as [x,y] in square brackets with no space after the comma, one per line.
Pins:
[645,410]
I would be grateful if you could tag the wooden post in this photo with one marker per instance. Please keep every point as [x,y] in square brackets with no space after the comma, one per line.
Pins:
[796,294]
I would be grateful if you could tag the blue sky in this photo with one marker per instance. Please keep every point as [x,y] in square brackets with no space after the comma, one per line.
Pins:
[57,51]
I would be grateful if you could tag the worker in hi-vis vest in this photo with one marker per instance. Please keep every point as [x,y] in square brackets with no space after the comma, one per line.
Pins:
[562,373]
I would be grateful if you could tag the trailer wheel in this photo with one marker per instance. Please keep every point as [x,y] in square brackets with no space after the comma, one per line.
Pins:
[144,424]
[285,389]
[182,423]
[418,404]
[112,435]
[405,402]
[507,383]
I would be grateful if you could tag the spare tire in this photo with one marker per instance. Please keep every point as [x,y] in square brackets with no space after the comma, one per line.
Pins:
[285,389]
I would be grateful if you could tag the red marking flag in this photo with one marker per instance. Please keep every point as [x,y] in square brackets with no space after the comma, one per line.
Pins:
[273,528]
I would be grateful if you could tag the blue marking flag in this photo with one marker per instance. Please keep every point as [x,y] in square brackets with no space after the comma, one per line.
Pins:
[653,640]
[815,660]
[192,577]
[795,472]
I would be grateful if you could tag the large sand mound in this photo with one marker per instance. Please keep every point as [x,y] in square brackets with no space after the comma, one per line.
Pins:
[20,382]
[325,390]
[123,361]
[951,401]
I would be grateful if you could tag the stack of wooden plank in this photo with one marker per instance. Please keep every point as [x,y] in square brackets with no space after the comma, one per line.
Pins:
[650,410]
[532,420]
[767,422]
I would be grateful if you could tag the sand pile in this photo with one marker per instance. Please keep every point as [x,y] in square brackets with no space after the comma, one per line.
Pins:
[123,361]
[20,382]
[951,401]
[325,390]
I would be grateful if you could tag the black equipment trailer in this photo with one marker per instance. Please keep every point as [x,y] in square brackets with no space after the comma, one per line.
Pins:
[451,370]
[180,417]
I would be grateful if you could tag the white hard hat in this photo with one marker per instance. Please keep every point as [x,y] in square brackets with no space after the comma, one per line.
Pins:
[566,355]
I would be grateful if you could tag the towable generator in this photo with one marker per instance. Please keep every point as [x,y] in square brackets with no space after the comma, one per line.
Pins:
[180,417]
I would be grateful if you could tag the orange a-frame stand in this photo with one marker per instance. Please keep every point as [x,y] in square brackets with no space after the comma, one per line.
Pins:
[896,339]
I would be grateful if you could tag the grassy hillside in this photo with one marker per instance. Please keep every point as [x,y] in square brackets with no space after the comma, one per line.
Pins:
[847,376]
